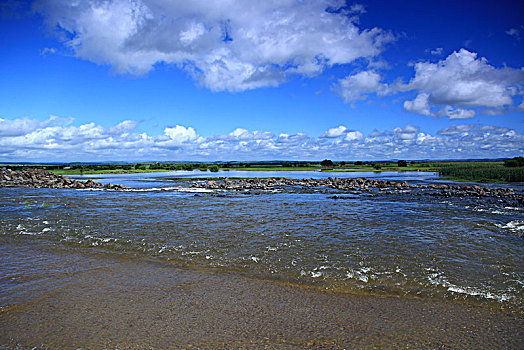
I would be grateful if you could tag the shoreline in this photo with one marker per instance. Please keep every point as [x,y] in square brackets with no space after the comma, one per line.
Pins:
[113,301]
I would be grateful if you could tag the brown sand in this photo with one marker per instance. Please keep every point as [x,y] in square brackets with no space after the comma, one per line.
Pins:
[107,302]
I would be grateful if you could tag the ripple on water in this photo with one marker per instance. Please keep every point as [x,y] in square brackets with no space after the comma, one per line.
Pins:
[396,244]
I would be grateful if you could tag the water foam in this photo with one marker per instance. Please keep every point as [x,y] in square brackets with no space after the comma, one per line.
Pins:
[194,190]
[438,279]
[516,226]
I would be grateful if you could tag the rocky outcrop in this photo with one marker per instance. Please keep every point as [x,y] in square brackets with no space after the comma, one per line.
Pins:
[46,179]
[359,184]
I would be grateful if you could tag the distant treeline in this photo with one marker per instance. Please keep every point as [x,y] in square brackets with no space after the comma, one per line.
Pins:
[509,170]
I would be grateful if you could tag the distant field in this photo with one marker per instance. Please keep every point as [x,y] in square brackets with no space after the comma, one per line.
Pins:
[276,168]
[386,167]
[459,171]
[102,171]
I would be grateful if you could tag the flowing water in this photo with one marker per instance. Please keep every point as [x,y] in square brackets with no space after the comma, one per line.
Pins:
[402,244]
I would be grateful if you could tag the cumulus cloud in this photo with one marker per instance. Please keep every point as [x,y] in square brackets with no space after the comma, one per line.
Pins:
[376,133]
[419,105]
[243,134]
[456,113]
[57,140]
[456,129]
[233,46]
[24,126]
[354,87]
[353,135]
[335,132]
[462,81]
[177,136]
[348,135]
[457,87]
[124,127]
[17,127]
[409,132]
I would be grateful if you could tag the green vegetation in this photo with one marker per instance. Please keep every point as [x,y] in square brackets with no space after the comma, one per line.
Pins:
[514,163]
[279,168]
[510,170]
[326,163]
[360,166]
[483,172]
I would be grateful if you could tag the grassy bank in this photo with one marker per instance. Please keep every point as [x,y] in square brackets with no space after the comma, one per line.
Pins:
[381,167]
[103,171]
[276,168]
[489,171]
[482,172]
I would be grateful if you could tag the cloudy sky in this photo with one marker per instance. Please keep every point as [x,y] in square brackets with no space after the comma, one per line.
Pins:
[134,80]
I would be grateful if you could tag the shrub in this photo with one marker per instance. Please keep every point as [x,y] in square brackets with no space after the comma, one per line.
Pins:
[326,163]
[514,162]
[402,163]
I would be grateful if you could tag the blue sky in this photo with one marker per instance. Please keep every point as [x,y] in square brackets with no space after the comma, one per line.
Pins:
[135,80]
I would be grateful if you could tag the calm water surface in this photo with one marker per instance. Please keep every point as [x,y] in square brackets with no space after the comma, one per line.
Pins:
[395,244]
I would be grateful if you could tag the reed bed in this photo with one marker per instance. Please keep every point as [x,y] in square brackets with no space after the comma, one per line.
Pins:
[483,172]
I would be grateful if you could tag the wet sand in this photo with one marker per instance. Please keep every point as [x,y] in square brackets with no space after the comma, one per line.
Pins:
[70,299]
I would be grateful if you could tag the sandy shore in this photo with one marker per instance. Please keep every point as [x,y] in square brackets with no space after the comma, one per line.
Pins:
[91,300]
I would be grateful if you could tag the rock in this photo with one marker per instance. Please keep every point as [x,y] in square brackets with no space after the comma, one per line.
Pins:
[42,178]
[254,186]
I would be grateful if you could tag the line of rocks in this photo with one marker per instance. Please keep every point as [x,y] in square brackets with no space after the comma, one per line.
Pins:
[358,184]
[45,179]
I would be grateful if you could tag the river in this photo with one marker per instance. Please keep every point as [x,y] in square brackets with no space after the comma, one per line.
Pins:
[458,250]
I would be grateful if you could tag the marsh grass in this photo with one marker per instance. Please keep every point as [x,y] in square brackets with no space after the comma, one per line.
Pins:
[483,172]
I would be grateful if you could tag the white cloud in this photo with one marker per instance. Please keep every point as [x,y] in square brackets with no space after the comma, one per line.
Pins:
[376,133]
[234,46]
[353,135]
[358,9]
[24,126]
[354,87]
[124,127]
[456,113]
[195,31]
[335,132]
[17,127]
[349,135]
[456,129]
[462,80]
[52,140]
[516,32]
[243,134]
[419,105]
[47,50]
[437,51]
[409,132]
[457,87]
[179,134]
